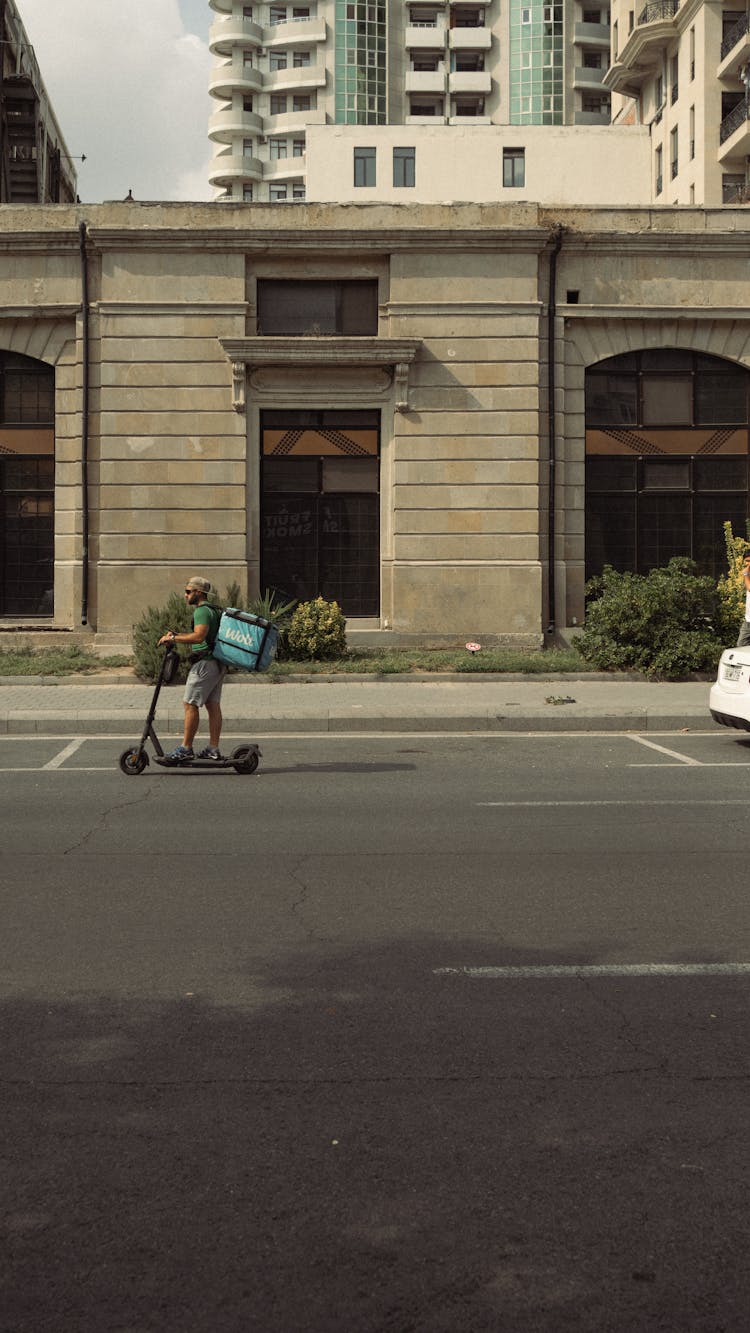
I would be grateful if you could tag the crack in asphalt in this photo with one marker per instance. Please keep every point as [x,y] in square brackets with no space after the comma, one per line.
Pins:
[104,816]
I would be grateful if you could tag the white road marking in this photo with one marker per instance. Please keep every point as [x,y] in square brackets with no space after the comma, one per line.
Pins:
[598,970]
[544,805]
[726,763]
[671,754]
[60,758]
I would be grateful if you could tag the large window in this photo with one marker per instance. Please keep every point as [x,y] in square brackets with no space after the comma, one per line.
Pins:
[666,459]
[27,486]
[320,507]
[666,387]
[315,308]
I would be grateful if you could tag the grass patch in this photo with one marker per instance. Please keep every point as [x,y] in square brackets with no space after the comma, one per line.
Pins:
[389,662]
[366,662]
[69,661]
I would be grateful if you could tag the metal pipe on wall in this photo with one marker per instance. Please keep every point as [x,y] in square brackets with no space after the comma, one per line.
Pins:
[85,363]
[557,240]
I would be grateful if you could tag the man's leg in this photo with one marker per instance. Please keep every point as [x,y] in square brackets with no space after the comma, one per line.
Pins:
[744,638]
[192,718]
[213,708]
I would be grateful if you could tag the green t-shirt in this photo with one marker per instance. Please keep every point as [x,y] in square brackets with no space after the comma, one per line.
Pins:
[205,615]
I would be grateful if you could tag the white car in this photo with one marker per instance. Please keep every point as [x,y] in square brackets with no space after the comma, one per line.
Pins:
[729,700]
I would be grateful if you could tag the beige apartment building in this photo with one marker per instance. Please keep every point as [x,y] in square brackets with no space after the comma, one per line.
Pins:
[681,68]
[565,166]
[404,408]
[282,69]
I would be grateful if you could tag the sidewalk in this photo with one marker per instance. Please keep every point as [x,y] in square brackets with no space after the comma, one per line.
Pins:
[257,706]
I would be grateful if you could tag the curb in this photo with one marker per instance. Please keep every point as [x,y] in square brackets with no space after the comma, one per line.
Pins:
[372,677]
[130,722]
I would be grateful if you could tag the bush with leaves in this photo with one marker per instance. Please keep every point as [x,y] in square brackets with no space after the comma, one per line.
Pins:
[731,588]
[663,623]
[317,631]
[147,654]
[177,615]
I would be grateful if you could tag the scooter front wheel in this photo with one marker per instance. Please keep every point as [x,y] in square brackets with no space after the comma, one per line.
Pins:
[133,761]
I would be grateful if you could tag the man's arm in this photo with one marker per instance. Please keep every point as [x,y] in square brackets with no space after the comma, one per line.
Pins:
[196,635]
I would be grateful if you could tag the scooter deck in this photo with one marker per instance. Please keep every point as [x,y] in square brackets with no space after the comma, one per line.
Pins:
[253,752]
[194,763]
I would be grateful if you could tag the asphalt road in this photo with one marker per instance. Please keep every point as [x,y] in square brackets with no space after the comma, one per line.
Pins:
[347,1045]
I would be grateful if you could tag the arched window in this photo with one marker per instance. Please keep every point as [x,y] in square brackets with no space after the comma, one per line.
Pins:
[666,459]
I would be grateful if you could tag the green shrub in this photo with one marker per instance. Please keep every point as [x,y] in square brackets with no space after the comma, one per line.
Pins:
[317,631]
[731,588]
[663,623]
[176,615]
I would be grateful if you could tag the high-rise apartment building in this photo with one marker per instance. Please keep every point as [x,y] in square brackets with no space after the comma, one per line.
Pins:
[280,68]
[35,166]
[683,69]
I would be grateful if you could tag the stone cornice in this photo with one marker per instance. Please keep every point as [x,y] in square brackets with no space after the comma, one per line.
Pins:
[655,239]
[308,239]
[39,311]
[248,353]
[183,308]
[609,313]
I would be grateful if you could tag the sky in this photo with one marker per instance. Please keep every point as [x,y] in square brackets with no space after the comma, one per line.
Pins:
[128,82]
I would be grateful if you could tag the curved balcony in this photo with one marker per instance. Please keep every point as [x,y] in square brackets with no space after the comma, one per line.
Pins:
[592,34]
[229,124]
[220,6]
[654,31]
[226,168]
[285,169]
[589,79]
[295,32]
[290,122]
[229,33]
[232,76]
[292,80]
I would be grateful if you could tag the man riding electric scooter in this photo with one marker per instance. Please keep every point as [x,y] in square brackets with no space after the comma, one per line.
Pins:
[206,675]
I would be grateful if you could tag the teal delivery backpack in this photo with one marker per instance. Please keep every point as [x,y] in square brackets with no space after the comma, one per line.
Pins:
[245,641]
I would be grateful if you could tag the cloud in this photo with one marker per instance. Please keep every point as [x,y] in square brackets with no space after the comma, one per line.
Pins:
[128,85]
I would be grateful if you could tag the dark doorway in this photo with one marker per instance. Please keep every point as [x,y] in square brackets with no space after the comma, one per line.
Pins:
[320,507]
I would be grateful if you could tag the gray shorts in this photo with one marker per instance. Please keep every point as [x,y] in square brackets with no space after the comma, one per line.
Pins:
[204,682]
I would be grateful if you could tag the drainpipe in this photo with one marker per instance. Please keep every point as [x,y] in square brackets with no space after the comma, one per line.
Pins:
[85,364]
[557,240]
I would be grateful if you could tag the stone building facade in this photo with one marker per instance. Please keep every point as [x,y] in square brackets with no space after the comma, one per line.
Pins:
[356,401]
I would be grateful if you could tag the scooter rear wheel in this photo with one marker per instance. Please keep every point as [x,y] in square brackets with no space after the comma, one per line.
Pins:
[133,761]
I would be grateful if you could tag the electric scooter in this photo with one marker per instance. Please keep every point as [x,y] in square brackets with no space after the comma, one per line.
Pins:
[135,760]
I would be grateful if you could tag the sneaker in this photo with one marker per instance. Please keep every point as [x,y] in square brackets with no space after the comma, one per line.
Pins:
[210,753]
[182,755]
